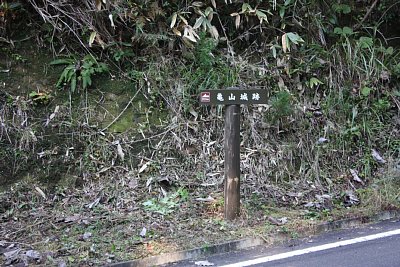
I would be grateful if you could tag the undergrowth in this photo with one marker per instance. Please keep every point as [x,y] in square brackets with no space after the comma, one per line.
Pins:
[326,143]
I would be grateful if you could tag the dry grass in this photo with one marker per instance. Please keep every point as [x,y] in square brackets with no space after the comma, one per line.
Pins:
[100,180]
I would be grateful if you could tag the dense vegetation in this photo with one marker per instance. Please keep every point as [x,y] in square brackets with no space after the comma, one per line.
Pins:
[329,138]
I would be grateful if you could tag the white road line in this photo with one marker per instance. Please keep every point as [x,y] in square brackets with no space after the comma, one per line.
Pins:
[313,249]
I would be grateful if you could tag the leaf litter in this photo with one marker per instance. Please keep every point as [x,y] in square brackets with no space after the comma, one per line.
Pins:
[172,200]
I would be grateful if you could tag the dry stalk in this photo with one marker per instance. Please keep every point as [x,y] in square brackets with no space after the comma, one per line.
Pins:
[122,112]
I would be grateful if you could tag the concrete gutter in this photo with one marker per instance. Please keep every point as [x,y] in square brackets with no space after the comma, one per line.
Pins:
[252,242]
[192,253]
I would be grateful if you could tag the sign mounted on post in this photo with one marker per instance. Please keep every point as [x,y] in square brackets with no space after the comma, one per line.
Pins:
[233,96]
[205,97]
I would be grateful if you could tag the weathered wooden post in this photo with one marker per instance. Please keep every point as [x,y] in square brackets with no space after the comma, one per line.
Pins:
[232,98]
[232,162]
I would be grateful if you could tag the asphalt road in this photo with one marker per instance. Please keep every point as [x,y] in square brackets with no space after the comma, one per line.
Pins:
[369,246]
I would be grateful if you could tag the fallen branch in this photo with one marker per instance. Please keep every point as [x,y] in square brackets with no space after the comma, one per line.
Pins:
[358,25]
[122,112]
[18,243]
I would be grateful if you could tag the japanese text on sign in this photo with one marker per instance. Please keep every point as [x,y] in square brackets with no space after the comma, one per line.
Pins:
[232,96]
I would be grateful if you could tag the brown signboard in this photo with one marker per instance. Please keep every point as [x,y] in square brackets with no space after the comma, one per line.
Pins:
[233,96]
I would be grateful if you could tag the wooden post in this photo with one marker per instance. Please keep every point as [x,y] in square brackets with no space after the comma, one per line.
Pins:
[232,98]
[232,162]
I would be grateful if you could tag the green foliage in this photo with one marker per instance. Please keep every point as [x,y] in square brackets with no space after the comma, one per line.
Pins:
[121,54]
[365,91]
[167,204]
[282,105]
[79,72]
[340,73]
[365,42]
[204,58]
[10,6]
[314,82]
[289,39]
[381,105]
[18,58]
[206,70]
[345,31]
[396,70]
[317,214]
[341,8]
[39,98]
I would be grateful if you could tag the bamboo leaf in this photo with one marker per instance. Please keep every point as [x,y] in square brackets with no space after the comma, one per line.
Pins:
[120,152]
[294,38]
[237,21]
[198,4]
[245,7]
[282,12]
[214,4]
[287,2]
[98,4]
[183,19]
[73,83]
[285,43]
[190,37]
[210,16]
[91,38]
[273,51]
[214,32]
[198,23]
[173,20]
[190,34]
[177,32]
[208,11]
[260,14]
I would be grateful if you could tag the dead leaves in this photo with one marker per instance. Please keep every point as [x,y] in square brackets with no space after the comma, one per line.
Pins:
[13,254]
[100,3]
[190,32]
[356,178]
[86,236]
[33,254]
[41,193]
[350,198]
[94,203]
[120,152]
[277,221]
[72,219]
[377,157]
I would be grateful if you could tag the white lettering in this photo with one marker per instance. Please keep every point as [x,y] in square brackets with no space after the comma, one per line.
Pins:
[244,97]
[256,96]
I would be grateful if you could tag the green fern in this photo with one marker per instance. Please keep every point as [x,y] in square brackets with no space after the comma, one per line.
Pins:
[78,71]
